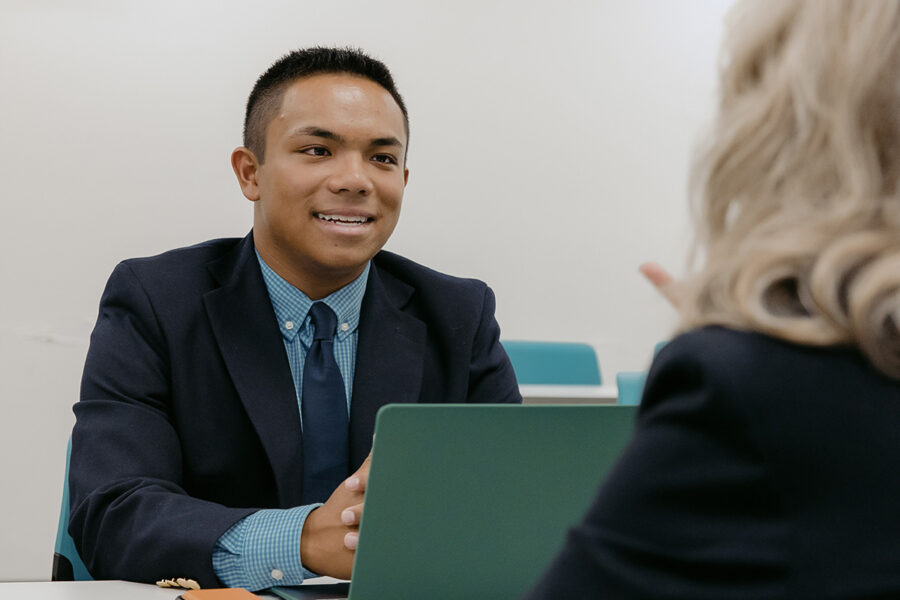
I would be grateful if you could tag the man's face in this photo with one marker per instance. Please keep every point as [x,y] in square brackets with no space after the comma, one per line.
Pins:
[330,189]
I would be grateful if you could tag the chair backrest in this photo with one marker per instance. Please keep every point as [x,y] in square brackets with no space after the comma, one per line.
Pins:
[630,384]
[553,363]
[67,564]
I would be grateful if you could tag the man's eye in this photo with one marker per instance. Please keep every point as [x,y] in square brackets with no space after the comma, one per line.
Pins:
[385,158]
[316,151]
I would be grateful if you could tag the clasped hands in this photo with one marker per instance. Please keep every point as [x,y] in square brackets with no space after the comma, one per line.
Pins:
[331,531]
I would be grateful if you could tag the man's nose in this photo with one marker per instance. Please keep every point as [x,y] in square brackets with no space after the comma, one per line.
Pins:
[349,176]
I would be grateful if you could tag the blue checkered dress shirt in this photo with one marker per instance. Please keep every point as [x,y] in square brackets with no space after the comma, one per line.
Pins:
[263,549]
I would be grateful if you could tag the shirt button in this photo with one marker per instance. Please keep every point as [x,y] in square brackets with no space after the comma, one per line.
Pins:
[288,325]
[345,326]
[277,574]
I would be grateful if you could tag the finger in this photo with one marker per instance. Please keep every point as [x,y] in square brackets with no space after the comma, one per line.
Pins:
[352,515]
[661,280]
[358,481]
[657,275]
[351,540]
[363,471]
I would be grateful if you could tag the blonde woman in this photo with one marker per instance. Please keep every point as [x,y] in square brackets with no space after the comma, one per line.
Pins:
[766,459]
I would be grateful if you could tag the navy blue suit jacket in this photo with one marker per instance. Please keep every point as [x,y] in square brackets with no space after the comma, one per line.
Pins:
[188,419]
[758,469]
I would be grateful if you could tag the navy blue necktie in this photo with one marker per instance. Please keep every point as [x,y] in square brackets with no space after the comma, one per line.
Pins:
[326,451]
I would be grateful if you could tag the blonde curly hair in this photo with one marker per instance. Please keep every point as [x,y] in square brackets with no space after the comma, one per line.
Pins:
[796,194]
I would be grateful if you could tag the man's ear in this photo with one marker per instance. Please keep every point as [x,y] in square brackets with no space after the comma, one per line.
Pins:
[246,167]
[405,177]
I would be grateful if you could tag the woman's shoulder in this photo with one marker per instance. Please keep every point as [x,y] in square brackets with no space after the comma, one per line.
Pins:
[761,367]
[740,350]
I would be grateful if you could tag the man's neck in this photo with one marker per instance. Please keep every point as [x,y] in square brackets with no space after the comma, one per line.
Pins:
[315,285]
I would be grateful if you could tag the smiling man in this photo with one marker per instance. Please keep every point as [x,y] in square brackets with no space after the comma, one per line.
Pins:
[230,390]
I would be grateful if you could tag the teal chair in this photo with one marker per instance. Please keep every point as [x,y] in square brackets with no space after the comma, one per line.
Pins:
[67,564]
[553,363]
[630,384]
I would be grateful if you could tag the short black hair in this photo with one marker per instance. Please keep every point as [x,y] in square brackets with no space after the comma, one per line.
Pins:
[267,94]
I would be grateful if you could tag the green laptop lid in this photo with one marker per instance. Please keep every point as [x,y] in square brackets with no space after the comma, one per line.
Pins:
[474,501]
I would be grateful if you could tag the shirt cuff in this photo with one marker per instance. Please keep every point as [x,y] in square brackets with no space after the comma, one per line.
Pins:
[263,550]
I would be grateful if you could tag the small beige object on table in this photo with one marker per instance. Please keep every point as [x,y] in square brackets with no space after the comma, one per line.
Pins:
[180,582]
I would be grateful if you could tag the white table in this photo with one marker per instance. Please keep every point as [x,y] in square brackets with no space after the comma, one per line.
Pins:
[101,590]
[85,590]
[569,394]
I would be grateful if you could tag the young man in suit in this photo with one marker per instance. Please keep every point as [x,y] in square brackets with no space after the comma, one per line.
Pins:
[231,387]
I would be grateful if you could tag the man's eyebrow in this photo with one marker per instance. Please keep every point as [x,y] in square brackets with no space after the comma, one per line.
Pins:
[316,132]
[387,141]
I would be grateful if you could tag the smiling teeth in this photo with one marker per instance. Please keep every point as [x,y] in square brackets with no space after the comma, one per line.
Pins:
[344,220]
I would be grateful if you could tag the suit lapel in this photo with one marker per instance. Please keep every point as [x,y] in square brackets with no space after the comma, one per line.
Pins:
[389,357]
[243,321]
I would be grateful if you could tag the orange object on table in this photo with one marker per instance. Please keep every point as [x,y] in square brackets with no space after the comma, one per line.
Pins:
[219,594]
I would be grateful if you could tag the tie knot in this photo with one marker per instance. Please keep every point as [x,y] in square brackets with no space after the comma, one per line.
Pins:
[324,320]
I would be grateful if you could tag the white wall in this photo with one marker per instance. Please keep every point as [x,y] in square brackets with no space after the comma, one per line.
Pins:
[550,142]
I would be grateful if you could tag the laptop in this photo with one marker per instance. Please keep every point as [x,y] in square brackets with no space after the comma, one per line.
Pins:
[474,501]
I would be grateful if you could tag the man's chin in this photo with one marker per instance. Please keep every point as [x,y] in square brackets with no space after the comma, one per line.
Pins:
[351,267]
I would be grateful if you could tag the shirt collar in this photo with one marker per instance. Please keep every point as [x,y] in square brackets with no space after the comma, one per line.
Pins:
[292,306]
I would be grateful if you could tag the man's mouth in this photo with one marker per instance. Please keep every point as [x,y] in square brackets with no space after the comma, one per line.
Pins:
[347,220]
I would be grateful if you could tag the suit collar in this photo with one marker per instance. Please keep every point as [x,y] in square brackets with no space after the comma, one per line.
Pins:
[389,358]
[244,324]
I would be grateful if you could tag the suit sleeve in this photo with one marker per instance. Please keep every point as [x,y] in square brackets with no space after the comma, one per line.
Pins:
[690,510]
[491,376]
[130,516]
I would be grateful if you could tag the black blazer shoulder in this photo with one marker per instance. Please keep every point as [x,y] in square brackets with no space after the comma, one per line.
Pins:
[433,284]
[188,268]
[758,469]
[456,304]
